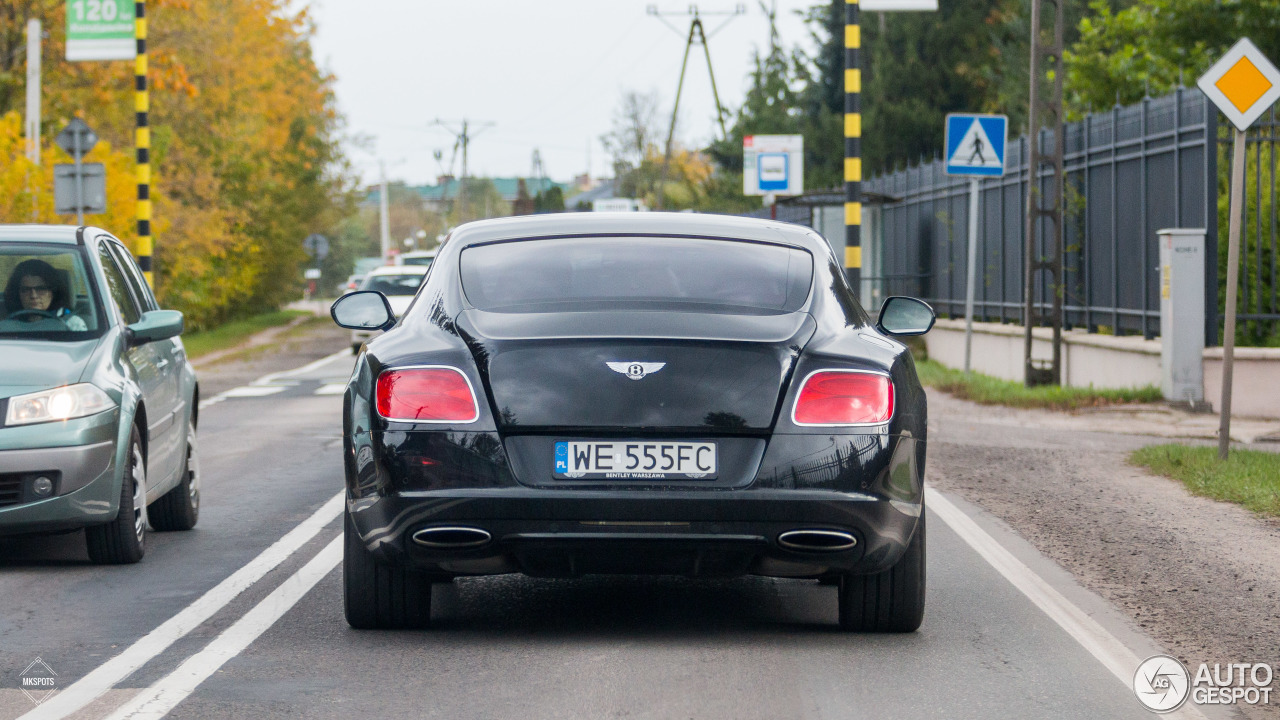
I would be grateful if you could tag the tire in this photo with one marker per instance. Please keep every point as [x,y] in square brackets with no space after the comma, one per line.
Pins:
[890,601]
[380,597]
[179,509]
[124,540]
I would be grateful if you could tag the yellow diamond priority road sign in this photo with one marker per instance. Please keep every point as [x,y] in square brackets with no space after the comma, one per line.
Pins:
[1243,84]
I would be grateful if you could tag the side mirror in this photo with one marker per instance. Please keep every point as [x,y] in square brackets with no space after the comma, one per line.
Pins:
[363,310]
[154,325]
[905,316]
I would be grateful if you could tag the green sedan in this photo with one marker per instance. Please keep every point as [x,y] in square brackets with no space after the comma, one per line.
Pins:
[98,403]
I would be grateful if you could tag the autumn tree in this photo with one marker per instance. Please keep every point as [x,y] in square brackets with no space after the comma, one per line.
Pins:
[244,143]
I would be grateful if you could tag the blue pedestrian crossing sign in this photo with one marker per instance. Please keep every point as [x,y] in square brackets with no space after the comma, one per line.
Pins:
[975,144]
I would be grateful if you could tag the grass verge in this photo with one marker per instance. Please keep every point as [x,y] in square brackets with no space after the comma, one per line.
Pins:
[235,332]
[987,390]
[1249,477]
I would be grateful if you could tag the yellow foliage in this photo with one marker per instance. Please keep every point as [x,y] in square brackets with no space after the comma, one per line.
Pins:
[242,133]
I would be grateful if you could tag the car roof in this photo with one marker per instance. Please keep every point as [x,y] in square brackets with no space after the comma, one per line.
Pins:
[39,233]
[638,223]
[398,270]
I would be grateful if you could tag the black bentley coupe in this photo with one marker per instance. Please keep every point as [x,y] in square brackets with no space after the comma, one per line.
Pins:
[646,393]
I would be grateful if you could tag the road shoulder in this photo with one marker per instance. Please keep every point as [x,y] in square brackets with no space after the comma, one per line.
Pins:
[1201,577]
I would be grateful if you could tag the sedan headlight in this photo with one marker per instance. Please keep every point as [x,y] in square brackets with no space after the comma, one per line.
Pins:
[64,403]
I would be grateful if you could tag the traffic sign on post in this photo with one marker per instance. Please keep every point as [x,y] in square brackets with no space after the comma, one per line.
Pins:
[77,138]
[975,144]
[975,147]
[317,247]
[773,165]
[1243,84]
[100,30]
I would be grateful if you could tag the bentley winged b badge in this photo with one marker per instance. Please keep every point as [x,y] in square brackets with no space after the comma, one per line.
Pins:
[635,370]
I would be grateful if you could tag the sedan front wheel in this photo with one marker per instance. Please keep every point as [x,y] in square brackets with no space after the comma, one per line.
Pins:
[124,539]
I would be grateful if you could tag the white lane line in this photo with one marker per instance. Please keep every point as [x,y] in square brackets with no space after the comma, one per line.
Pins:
[265,379]
[254,391]
[1114,655]
[156,701]
[104,677]
[346,353]
[332,389]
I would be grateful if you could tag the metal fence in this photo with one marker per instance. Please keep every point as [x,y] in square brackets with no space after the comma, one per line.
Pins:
[1130,172]
[1257,309]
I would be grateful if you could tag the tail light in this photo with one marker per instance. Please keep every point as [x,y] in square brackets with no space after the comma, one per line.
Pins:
[844,397]
[427,394]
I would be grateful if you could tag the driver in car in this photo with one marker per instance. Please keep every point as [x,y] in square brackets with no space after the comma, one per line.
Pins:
[36,292]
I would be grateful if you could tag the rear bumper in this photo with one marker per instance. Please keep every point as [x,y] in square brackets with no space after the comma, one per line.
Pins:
[565,533]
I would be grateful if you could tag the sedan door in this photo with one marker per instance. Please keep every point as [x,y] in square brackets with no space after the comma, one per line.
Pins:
[151,367]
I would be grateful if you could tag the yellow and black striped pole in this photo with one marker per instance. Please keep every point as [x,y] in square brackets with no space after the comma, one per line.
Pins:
[852,147]
[141,106]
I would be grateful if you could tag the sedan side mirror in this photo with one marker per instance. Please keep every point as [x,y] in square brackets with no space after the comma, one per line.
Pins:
[363,310]
[154,325]
[905,316]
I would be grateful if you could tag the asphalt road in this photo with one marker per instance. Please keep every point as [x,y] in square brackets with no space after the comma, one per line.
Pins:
[242,617]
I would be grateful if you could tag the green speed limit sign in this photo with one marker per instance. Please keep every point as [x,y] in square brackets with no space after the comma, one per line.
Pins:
[100,30]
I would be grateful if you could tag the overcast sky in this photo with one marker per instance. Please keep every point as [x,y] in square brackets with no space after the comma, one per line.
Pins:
[548,75]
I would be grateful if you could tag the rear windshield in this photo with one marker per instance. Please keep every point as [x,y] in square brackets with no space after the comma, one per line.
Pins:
[636,272]
[404,284]
[47,293]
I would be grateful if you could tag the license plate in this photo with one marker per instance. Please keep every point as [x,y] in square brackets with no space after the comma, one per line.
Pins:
[630,460]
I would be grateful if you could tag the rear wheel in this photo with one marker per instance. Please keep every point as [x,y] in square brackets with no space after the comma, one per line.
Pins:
[179,509]
[381,597]
[890,601]
[123,540]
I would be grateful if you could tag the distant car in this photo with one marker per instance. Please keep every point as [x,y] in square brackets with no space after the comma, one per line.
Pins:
[417,257]
[97,398]
[644,393]
[399,283]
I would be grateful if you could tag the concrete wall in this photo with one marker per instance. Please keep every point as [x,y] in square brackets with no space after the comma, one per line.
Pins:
[1105,361]
[1255,381]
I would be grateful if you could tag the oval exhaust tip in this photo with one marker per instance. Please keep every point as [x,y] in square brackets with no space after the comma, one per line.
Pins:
[452,537]
[817,540]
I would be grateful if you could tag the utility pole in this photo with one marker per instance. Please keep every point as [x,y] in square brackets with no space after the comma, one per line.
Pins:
[34,37]
[1044,206]
[384,212]
[463,136]
[853,147]
[697,36]
[33,91]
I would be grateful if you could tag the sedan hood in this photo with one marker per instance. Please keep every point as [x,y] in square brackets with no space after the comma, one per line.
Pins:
[32,365]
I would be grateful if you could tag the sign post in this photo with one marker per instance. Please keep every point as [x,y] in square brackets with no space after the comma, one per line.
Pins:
[1243,84]
[975,148]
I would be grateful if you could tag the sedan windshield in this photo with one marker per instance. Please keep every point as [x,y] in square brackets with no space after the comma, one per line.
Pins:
[636,273]
[47,293]
[399,284]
